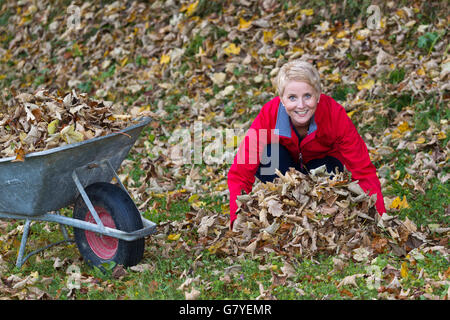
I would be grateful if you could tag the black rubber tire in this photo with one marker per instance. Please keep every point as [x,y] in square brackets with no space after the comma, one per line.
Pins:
[121,208]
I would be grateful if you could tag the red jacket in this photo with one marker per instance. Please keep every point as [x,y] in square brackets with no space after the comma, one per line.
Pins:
[332,133]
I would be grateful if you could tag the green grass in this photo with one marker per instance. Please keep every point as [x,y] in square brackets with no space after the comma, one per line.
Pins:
[340,92]
[194,46]
[396,76]
[428,208]
[429,111]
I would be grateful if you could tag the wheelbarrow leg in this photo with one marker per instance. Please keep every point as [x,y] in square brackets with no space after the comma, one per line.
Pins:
[21,259]
[26,230]
[64,231]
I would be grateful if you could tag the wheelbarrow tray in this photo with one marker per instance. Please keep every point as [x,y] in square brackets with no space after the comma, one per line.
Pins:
[43,182]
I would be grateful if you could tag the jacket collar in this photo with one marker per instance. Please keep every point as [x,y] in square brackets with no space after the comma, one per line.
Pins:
[283,124]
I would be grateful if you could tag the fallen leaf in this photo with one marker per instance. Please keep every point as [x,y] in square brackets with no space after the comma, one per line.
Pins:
[174,236]
[194,294]
[350,280]
[165,59]
[232,49]
[404,270]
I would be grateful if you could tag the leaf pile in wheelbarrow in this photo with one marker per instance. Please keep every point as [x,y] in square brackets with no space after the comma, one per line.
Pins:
[305,215]
[44,120]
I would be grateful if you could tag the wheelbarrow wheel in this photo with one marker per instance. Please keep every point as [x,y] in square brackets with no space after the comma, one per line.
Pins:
[116,210]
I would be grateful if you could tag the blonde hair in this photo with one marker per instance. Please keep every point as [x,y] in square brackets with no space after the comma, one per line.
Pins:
[298,70]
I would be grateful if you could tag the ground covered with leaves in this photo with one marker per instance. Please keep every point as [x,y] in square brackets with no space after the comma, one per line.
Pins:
[213,62]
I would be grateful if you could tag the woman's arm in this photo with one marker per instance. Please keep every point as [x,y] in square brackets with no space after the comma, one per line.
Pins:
[356,158]
[241,175]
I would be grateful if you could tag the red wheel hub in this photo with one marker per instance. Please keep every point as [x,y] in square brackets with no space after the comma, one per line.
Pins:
[104,247]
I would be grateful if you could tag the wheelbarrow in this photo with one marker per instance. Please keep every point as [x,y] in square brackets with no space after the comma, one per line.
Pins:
[107,225]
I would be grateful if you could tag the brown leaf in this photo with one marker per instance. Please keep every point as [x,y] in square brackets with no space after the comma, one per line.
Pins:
[379,245]
[20,155]
[119,272]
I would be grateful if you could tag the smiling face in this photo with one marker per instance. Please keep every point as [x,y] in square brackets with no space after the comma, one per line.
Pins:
[300,100]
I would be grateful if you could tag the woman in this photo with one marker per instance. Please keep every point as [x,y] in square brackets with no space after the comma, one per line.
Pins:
[304,129]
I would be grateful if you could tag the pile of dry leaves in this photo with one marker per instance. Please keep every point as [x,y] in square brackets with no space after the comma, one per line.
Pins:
[304,215]
[44,120]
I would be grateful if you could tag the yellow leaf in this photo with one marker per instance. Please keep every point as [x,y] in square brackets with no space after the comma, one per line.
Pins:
[400,13]
[420,140]
[399,203]
[396,134]
[268,36]
[404,126]
[200,53]
[2,76]
[246,291]
[421,72]
[225,209]
[366,85]
[198,204]
[165,58]
[244,24]
[341,34]
[395,203]
[145,108]
[351,113]
[404,204]
[6,56]
[193,198]
[174,236]
[210,116]
[362,34]
[232,49]
[404,270]
[51,128]
[383,42]
[441,135]
[69,135]
[297,49]
[189,9]
[281,42]
[307,12]
[396,175]
[124,62]
[328,43]
[333,77]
